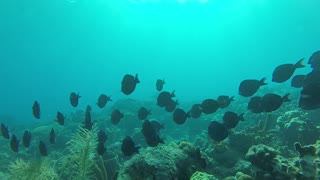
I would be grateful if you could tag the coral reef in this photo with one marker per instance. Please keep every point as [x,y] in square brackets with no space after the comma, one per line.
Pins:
[35,170]
[172,161]
[80,160]
[202,176]
[268,164]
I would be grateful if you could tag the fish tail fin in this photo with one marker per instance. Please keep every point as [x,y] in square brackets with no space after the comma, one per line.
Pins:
[137,148]
[109,98]
[172,94]
[231,98]
[262,83]
[241,118]
[189,114]
[137,79]
[78,95]
[285,98]
[177,102]
[299,64]
[149,112]
[164,82]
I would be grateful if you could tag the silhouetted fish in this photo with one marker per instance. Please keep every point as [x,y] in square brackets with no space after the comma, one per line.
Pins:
[156,126]
[102,136]
[87,121]
[128,83]
[209,106]
[255,105]
[165,98]
[150,132]
[196,111]
[314,60]
[52,136]
[128,147]
[171,106]
[272,102]
[159,84]
[313,76]
[298,81]
[26,138]
[36,110]
[249,87]
[43,149]
[143,113]
[217,131]
[60,118]
[14,143]
[224,101]
[154,140]
[116,116]
[101,148]
[74,99]
[231,119]
[180,116]
[5,131]
[102,100]
[310,96]
[147,129]
[284,72]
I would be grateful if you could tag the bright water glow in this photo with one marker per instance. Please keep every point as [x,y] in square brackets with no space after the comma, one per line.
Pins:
[50,48]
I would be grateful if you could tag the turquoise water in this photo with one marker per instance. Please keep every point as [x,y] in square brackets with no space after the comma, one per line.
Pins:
[50,48]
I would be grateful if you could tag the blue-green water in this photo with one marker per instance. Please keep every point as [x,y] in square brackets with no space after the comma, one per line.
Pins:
[202,48]
[50,48]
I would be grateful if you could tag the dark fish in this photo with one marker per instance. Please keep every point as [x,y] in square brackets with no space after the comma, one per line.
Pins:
[314,60]
[209,106]
[150,132]
[5,131]
[147,129]
[272,102]
[157,126]
[60,118]
[180,116]
[284,72]
[154,140]
[231,119]
[313,76]
[101,148]
[196,111]
[103,99]
[171,106]
[52,136]
[224,101]
[143,113]
[255,105]
[43,149]
[87,121]
[128,147]
[26,138]
[310,96]
[249,87]
[217,131]
[159,84]
[36,110]
[74,99]
[102,136]
[165,98]
[298,81]
[128,83]
[14,143]
[116,116]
